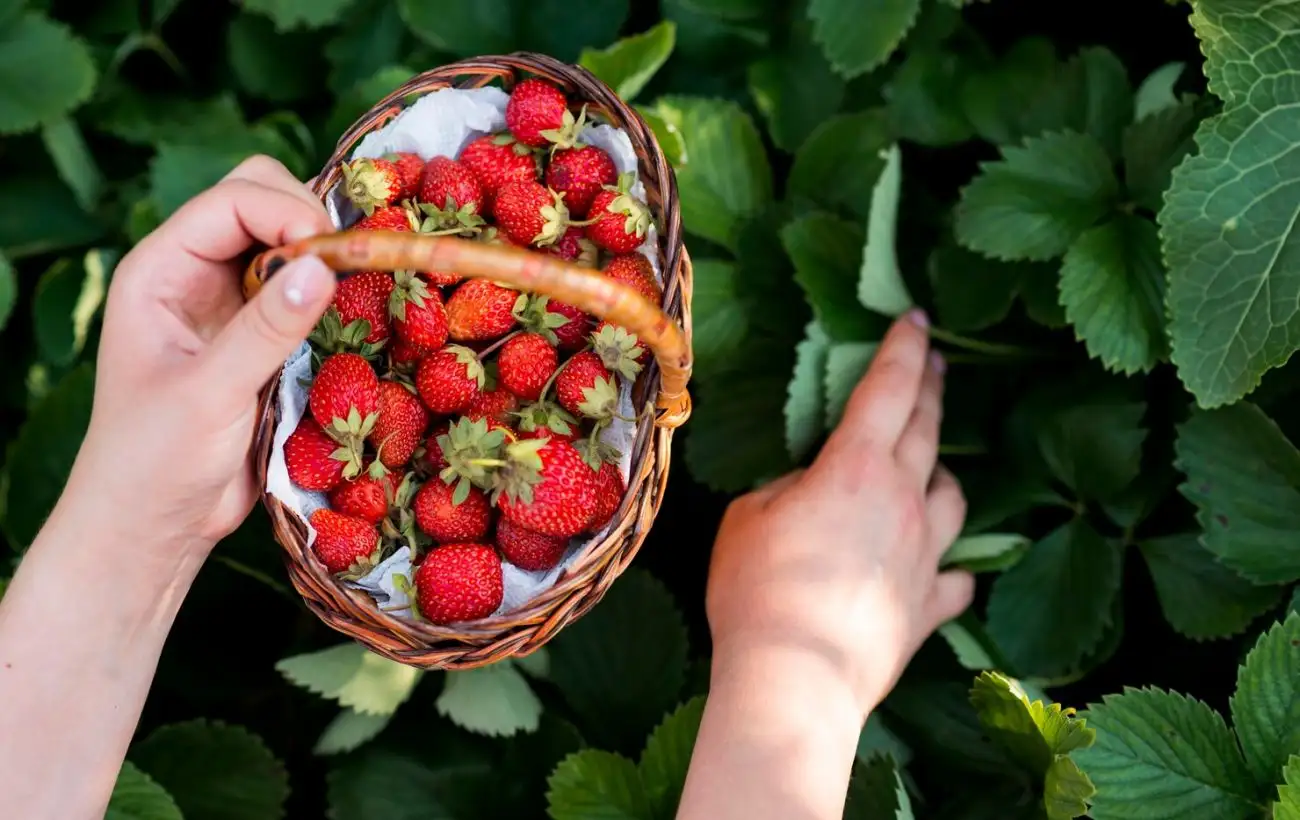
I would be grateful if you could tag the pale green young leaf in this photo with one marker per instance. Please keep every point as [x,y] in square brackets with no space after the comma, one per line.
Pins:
[840,161]
[718,314]
[594,783]
[805,403]
[45,72]
[1112,288]
[826,251]
[349,730]
[1161,754]
[670,139]
[880,284]
[1093,444]
[971,651]
[354,676]
[8,290]
[971,291]
[490,700]
[1156,92]
[1032,733]
[859,36]
[1287,806]
[627,65]
[1066,790]
[667,755]
[1154,146]
[137,797]
[72,157]
[1243,476]
[215,771]
[845,365]
[1035,201]
[1049,611]
[67,299]
[795,89]
[274,65]
[1201,598]
[725,178]
[288,14]
[1266,703]
[986,552]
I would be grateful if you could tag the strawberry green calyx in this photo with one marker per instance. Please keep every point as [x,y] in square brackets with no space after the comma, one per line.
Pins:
[366,185]
[638,215]
[330,336]
[520,471]
[400,526]
[473,450]
[407,288]
[555,220]
[546,415]
[532,315]
[474,368]
[596,452]
[506,138]
[449,219]
[363,565]
[588,254]
[567,135]
[600,400]
[402,583]
[617,350]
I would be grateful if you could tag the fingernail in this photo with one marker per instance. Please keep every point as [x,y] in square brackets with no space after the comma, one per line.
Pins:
[305,282]
[937,362]
[917,317]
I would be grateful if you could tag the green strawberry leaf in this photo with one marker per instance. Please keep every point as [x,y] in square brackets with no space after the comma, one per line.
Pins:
[288,14]
[1113,287]
[925,96]
[369,40]
[726,178]
[970,644]
[794,88]
[490,700]
[447,779]
[621,666]
[670,139]
[1287,806]
[840,161]
[1171,755]
[1200,597]
[973,292]
[73,160]
[41,215]
[718,313]
[805,411]
[1033,734]
[593,783]
[857,37]
[1243,475]
[1099,87]
[66,301]
[274,65]
[350,730]
[600,21]
[354,676]
[986,552]
[826,251]
[732,10]
[137,797]
[1156,91]
[1034,202]
[1093,445]
[1153,147]
[180,171]
[846,363]
[1012,97]
[876,791]
[1066,790]
[45,72]
[463,27]
[627,65]
[667,756]
[1266,704]
[146,119]
[215,771]
[41,456]
[8,290]
[880,285]
[1053,608]
[876,736]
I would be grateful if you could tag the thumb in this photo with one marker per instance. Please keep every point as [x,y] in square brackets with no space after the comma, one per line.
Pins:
[274,323]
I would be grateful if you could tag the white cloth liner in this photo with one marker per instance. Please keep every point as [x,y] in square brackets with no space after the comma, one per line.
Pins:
[443,123]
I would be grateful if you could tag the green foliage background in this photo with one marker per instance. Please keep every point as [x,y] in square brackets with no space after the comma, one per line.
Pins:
[1097,206]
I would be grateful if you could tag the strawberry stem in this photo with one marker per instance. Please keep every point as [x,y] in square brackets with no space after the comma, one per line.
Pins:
[492,348]
[487,462]
[989,348]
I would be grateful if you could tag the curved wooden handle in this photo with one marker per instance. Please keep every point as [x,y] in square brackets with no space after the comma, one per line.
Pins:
[518,268]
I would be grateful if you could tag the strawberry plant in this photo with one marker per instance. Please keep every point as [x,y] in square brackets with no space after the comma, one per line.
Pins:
[1096,208]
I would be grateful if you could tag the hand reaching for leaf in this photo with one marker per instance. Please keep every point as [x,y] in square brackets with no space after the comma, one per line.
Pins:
[823,585]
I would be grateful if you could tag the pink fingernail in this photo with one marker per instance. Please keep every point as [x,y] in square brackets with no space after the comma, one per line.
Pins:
[937,362]
[917,317]
[305,280]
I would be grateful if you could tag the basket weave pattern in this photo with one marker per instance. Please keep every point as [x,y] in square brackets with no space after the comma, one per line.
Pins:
[666,331]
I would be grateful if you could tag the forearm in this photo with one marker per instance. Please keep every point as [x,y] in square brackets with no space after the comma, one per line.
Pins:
[81,627]
[777,740]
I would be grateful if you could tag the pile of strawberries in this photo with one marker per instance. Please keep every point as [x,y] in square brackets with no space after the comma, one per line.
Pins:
[463,418]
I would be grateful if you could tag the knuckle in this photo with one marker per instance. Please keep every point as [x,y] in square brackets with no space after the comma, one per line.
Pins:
[259,166]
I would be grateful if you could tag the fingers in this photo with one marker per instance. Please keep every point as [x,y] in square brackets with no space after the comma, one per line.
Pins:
[918,448]
[951,595]
[945,508]
[881,404]
[272,173]
[251,348]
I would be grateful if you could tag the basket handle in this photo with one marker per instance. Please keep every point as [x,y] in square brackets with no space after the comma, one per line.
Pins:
[541,273]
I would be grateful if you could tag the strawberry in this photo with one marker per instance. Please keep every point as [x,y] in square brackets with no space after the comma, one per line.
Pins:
[314,460]
[642,353]
[388,218]
[573,333]
[450,195]
[545,420]
[403,356]
[562,324]
[546,486]
[496,159]
[419,317]
[530,214]
[372,183]
[459,582]
[585,387]
[472,449]
[440,278]
[495,405]
[536,107]
[574,246]
[610,489]
[449,379]
[367,496]
[527,549]
[449,513]
[579,174]
[365,296]
[635,271]
[525,364]
[480,310]
[400,426]
[410,167]
[431,459]
[344,401]
[617,220]
[344,543]
[618,350]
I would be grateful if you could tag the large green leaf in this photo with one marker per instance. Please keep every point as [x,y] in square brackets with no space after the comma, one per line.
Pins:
[463,27]
[1227,225]
[718,314]
[137,797]
[1287,806]
[1113,289]
[354,676]
[599,21]
[859,36]
[876,791]
[45,72]
[597,784]
[1202,598]
[627,65]
[840,161]
[880,284]
[1160,754]
[795,89]
[39,214]
[274,65]
[67,299]
[1035,201]
[349,730]
[215,771]
[289,14]
[846,363]
[73,160]
[1153,147]
[805,411]
[667,756]
[1049,611]
[444,782]
[1266,705]
[924,97]
[1243,475]
[491,700]
[8,290]
[180,171]
[370,39]
[742,403]
[1092,444]
[971,291]
[826,251]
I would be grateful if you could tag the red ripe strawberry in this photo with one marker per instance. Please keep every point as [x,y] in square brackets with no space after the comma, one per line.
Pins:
[400,426]
[494,405]
[450,194]
[546,486]
[371,183]
[527,549]
[530,214]
[496,159]
[445,519]
[585,387]
[480,310]
[618,220]
[342,540]
[573,333]
[635,271]
[433,459]
[313,458]
[449,379]
[459,582]
[402,355]
[367,496]
[388,218]
[365,296]
[574,246]
[536,106]
[419,317]
[525,364]
[580,173]
[344,399]
[440,278]
[610,489]
[409,170]
[544,420]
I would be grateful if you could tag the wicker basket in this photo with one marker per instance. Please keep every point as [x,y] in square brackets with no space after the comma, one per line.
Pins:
[666,329]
